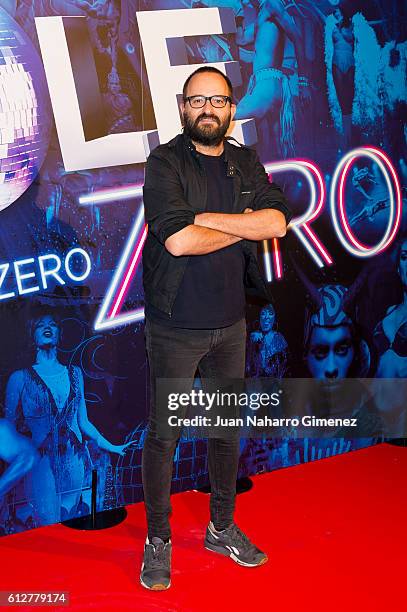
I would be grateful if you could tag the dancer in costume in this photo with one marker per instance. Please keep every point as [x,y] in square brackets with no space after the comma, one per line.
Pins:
[390,335]
[46,403]
[267,354]
[390,338]
[352,57]
[269,90]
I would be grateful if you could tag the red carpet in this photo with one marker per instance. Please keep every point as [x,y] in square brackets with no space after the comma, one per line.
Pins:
[335,531]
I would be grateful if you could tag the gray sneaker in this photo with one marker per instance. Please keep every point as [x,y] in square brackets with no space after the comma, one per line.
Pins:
[233,543]
[156,566]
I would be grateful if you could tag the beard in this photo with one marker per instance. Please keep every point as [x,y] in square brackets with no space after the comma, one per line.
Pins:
[206,135]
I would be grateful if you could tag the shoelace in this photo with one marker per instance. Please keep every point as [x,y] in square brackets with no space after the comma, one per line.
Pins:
[157,555]
[239,537]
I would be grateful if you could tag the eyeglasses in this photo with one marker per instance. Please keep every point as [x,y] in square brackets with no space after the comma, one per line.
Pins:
[200,101]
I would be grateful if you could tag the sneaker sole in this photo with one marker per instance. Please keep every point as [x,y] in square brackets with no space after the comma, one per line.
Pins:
[156,587]
[228,553]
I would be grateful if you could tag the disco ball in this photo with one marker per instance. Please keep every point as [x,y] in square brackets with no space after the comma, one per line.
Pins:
[25,117]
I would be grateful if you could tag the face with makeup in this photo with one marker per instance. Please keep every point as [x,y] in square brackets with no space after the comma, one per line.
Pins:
[330,352]
[267,319]
[46,332]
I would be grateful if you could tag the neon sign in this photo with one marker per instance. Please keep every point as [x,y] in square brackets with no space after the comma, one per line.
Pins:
[301,224]
[32,275]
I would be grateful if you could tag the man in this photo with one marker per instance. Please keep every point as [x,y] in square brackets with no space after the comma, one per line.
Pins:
[206,203]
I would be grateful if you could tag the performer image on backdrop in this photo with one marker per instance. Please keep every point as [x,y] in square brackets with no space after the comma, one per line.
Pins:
[206,202]
[46,403]
[268,349]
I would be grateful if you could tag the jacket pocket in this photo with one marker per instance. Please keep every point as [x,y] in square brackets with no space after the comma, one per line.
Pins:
[246,199]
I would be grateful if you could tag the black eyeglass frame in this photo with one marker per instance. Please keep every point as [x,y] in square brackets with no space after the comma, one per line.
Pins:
[226,98]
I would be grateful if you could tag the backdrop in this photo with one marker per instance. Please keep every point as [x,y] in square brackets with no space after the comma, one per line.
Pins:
[87,89]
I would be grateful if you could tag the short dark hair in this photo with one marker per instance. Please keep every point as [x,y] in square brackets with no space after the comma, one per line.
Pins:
[38,314]
[207,69]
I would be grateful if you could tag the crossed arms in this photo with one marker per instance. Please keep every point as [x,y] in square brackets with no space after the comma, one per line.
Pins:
[184,231]
[213,231]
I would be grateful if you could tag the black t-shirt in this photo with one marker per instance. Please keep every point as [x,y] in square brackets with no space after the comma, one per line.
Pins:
[211,293]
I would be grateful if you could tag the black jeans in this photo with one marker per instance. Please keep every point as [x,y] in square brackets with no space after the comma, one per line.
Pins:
[177,353]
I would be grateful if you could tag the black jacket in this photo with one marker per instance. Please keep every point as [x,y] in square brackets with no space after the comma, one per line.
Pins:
[175,190]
